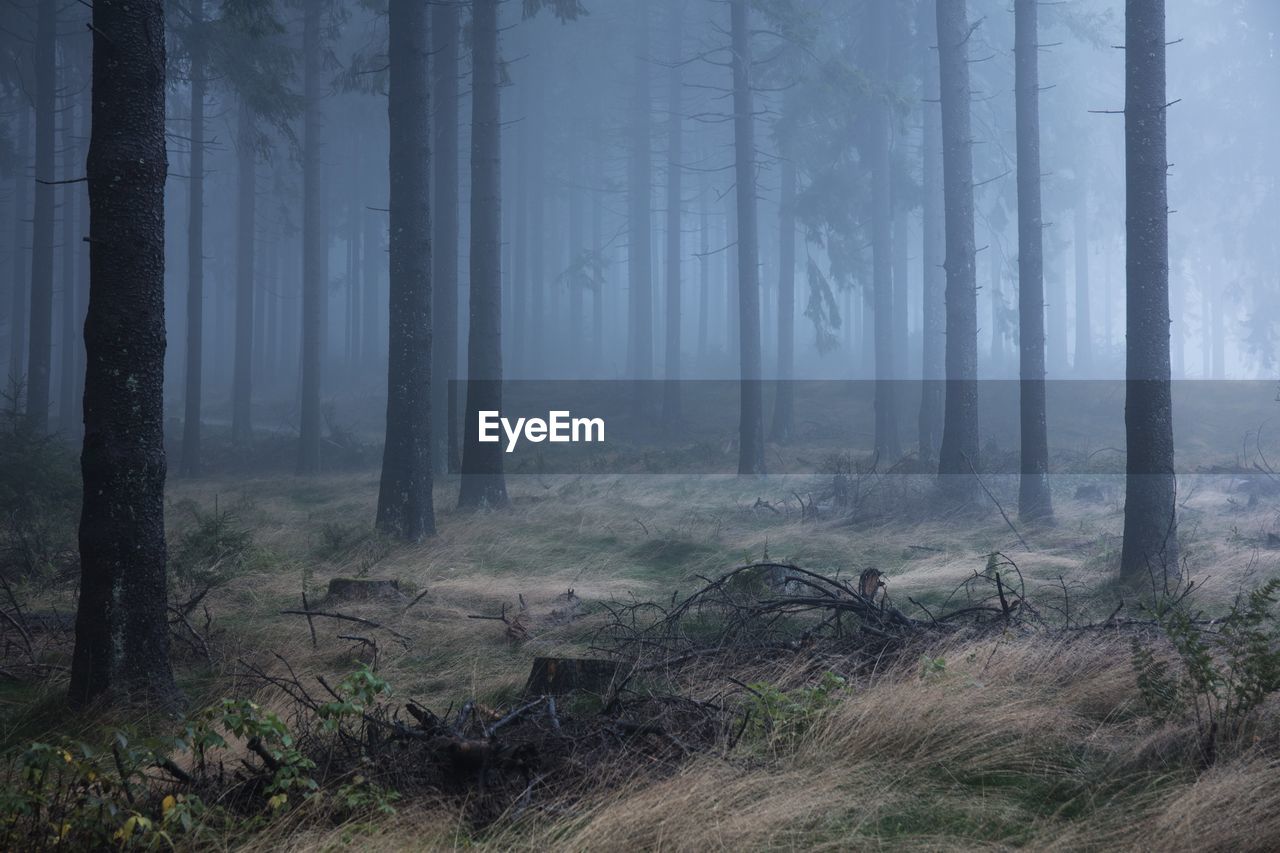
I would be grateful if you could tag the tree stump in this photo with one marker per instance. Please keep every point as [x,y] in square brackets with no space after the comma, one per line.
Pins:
[362,589]
[557,676]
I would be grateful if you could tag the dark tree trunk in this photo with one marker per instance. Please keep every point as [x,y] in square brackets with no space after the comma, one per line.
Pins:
[483,482]
[246,189]
[444,258]
[784,402]
[1033,486]
[314,275]
[189,462]
[888,448]
[404,498]
[1150,517]
[21,283]
[1084,323]
[639,244]
[671,414]
[40,337]
[958,456]
[122,626]
[68,411]
[751,423]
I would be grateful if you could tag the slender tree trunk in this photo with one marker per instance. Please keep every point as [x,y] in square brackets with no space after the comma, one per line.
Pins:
[597,274]
[639,249]
[21,283]
[704,277]
[887,446]
[246,189]
[784,402]
[404,498]
[483,482]
[731,281]
[372,257]
[1034,501]
[68,411]
[189,463]
[534,359]
[40,338]
[997,302]
[958,456]
[671,409]
[1084,322]
[444,258]
[82,264]
[577,282]
[751,423]
[122,625]
[314,276]
[1150,546]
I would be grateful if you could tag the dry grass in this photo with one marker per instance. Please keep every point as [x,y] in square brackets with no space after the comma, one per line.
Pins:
[1017,743]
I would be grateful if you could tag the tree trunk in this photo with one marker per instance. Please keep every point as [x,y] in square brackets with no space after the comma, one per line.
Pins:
[704,275]
[997,299]
[933,309]
[597,274]
[314,276]
[1084,323]
[246,189]
[1150,546]
[444,258]
[122,626]
[372,256]
[21,284]
[483,482]
[1034,501]
[40,338]
[958,456]
[68,410]
[751,423]
[887,446]
[404,497]
[783,425]
[639,244]
[671,415]
[189,462]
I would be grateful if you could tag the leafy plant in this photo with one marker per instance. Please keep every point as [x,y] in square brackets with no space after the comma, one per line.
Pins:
[1221,671]
[782,717]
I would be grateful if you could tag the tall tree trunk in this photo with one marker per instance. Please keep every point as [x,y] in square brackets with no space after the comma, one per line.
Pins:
[404,497]
[1084,322]
[122,625]
[372,257]
[444,258]
[597,271]
[520,274]
[958,456]
[784,401]
[997,302]
[751,423]
[189,462]
[21,283]
[639,244]
[314,244]
[576,282]
[671,413]
[1150,546]
[483,482]
[704,276]
[68,411]
[40,338]
[1034,501]
[887,446]
[731,280]
[246,189]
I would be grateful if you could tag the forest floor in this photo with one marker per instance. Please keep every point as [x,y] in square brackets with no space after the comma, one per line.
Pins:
[1018,740]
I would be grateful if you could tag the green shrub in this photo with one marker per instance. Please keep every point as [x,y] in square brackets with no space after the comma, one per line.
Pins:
[1221,671]
[780,718]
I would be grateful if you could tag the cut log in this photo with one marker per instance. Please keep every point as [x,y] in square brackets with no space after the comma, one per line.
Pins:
[363,589]
[558,676]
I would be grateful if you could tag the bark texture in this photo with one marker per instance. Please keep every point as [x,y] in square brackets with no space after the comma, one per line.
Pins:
[958,456]
[1034,501]
[122,631]
[1150,544]
[483,481]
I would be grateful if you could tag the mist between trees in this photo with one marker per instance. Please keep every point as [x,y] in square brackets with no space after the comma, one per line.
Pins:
[393,206]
